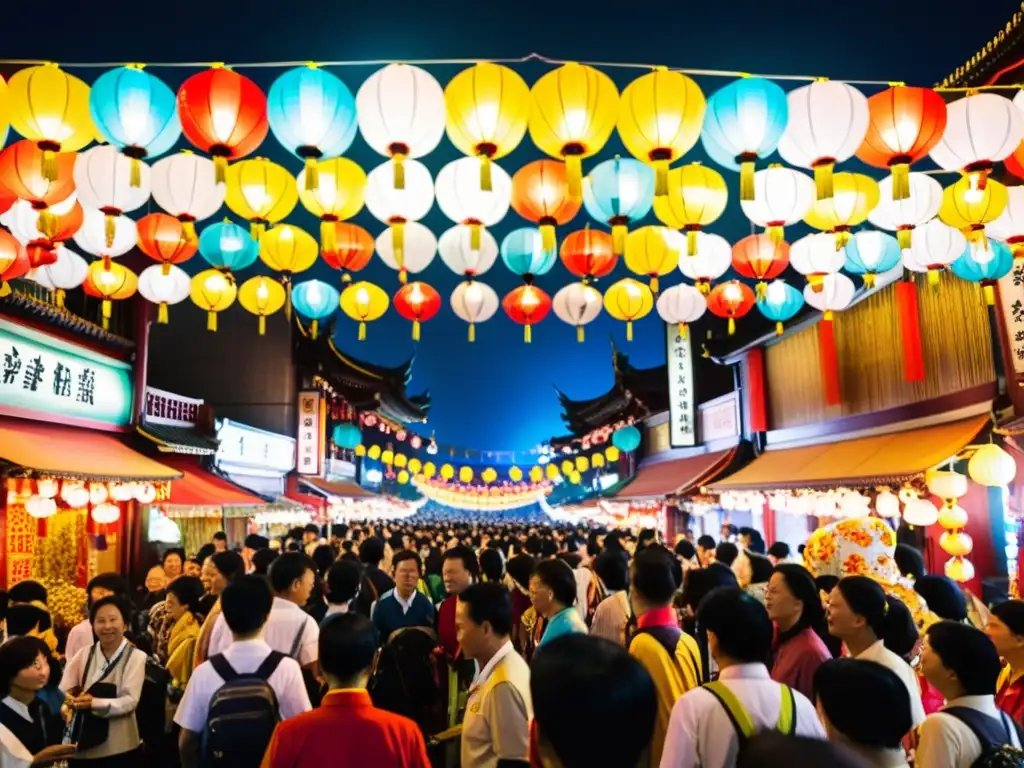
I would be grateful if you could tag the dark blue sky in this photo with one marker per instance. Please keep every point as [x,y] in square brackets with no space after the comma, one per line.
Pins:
[497,394]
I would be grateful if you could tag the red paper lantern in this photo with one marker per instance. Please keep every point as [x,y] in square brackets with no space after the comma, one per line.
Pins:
[417,302]
[13,261]
[1014,163]
[21,173]
[905,124]
[588,253]
[760,258]
[540,193]
[351,250]
[527,305]
[163,238]
[224,114]
[731,300]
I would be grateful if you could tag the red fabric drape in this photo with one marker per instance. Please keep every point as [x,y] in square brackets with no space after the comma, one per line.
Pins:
[910,331]
[756,391]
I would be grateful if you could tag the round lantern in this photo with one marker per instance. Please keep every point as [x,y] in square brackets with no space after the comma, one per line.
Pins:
[261,192]
[417,302]
[815,256]
[920,204]
[619,192]
[780,304]
[871,253]
[515,474]
[288,250]
[981,130]
[541,194]
[526,305]
[782,197]
[373,452]
[487,108]
[854,196]
[577,304]
[75,495]
[336,194]
[401,113]
[473,303]
[628,301]
[213,291]
[105,514]
[223,114]
[164,285]
[1009,226]
[935,247]
[315,300]
[312,114]
[364,302]
[102,181]
[66,273]
[184,186]
[696,196]
[347,436]
[262,297]
[525,253]
[228,246]
[969,207]
[416,252]
[745,121]
[588,253]
[827,123]
[60,222]
[992,466]
[730,300]
[626,439]
[395,205]
[681,305]
[461,198]
[712,260]
[163,238]
[14,261]
[660,118]
[920,512]
[465,474]
[22,175]
[105,236]
[651,251]
[459,254]
[110,283]
[573,113]
[352,249]
[760,258]
[985,265]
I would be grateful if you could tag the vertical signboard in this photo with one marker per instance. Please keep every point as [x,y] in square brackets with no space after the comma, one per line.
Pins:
[679,359]
[1011,297]
[310,442]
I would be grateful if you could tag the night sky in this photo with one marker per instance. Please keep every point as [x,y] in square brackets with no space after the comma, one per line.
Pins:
[498,394]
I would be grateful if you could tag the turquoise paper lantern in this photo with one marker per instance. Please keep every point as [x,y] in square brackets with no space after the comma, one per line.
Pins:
[619,192]
[228,246]
[626,439]
[315,300]
[871,253]
[347,436]
[780,304]
[135,111]
[994,263]
[523,252]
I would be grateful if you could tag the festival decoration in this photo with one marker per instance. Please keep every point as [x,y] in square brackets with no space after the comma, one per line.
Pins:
[103,179]
[459,254]
[364,302]
[111,282]
[525,253]
[935,247]
[5,111]
[577,304]
[920,204]
[920,512]
[164,285]
[854,196]
[627,439]
[163,238]
[815,256]
[22,175]
[66,273]
[473,303]
[227,246]
[760,258]
[262,297]
[627,301]
[335,194]
[588,253]
[992,466]
[213,291]
[62,220]
[681,305]
[782,197]
[1009,225]
[261,192]
[969,208]
[398,206]
[712,260]
[729,300]
[871,253]
[14,261]
[462,199]
[288,250]
[978,264]
[981,130]
[618,193]
[417,302]
[835,293]
[351,249]
[541,194]
[105,236]
[526,305]
[780,304]
[347,436]
[649,252]
[416,252]
[184,186]
[696,196]
[315,300]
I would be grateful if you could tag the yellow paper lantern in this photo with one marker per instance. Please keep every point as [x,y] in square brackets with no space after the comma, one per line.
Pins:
[650,251]
[465,474]
[567,466]
[338,195]
[388,456]
[489,475]
[854,196]
[447,471]
[403,477]
[992,466]
[574,477]
[401,460]
[660,120]
[360,450]
[364,302]
[110,282]
[572,115]
[213,291]
[628,300]
[582,464]
[597,461]
[415,465]
[261,192]
[261,296]
[695,197]
[611,453]
[515,474]
[487,108]
[374,452]
[536,474]
[969,208]
[551,471]
[429,470]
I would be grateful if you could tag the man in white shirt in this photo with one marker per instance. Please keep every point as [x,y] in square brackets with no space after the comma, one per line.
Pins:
[701,730]
[245,607]
[963,665]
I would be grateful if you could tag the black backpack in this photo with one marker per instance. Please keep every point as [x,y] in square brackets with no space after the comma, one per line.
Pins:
[151,712]
[995,736]
[242,716]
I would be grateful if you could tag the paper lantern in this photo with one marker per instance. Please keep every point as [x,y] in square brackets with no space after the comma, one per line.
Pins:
[373,452]
[782,197]
[184,186]
[628,301]
[760,258]
[541,194]
[22,175]
[66,273]
[312,114]
[351,248]
[99,229]
[780,304]
[515,474]
[969,207]
[227,246]
[288,250]
[745,121]
[465,474]
[459,255]
[60,222]
[588,253]
[417,251]
[871,253]
[696,196]
[992,466]
[473,303]
[577,304]
[730,300]
[164,285]
[525,253]
[75,495]
[551,471]
[315,300]
[681,305]
[50,108]
[936,246]
[834,294]
[572,115]
[815,256]
[921,204]
[336,194]
[397,206]
[401,113]
[223,114]
[660,119]
[163,238]
[1009,226]
[618,193]
[364,302]
[487,108]
[103,181]
[347,436]
[13,261]
[461,198]
[110,283]
[712,260]
[981,130]
[627,439]
[213,291]
[920,512]
[827,123]
[417,302]
[652,252]
[854,196]
[429,470]
[985,265]
[262,297]
[415,465]
[261,192]
[526,305]
[105,514]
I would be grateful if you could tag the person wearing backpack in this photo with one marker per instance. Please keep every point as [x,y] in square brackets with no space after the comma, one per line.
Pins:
[970,731]
[235,699]
[710,724]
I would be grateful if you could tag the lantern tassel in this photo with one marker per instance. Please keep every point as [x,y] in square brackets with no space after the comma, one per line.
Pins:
[691,242]
[629,330]
[314,329]
[61,293]
[161,314]
[904,237]
[47,223]
[660,178]
[579,334]
[761,290]
[398,242]
[415,330]
[900,181]
[263,325]
[527,334]
[135,173]
[747,180]
[472,332]
[682,331]
[288,299]
[328,236]
[399,179]
[910,331]
[165,268]
[345,278]
[547,237]
[779,329]
[109,228]
[933,278]
[211,322]
[486,184]
[732,325]
[869,280]
[704,287]
[574,175]
[5,289]
[49,168]
[619,232]
[220,169]
[776,233]
[474,237]
[823,180]
[256,229]
[312,174]
[817,282]
[829,360]
[362,331]
[990,294]
[188,228]
[107,263]
[654,284]
[105,309]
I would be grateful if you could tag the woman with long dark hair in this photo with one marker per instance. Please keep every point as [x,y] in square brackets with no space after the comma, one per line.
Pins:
[795,609]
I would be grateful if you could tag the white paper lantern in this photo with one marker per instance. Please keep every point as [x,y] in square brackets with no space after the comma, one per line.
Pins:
[980,130]
[164,288]
[106,236]
[103,181]
[399,206]
[121,491]
[935,247]
[953,517]
[461,199]
[185,186]
[920,512]
[418,248]
[992,466]
[680,305]
[473,303]
[66,273]
[98,493]
[75,495]
[23,220]
[782,196]
[902,216]
[833,295]
[145,493]
[815,256]
[106,514]
[47,487]
[40,507]
[1009,227]
[459,255]
[887,504]
[712,259]
[959,570]
[946,485]
[577,304]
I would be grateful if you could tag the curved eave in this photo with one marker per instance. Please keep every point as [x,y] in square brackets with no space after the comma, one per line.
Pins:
[996,54]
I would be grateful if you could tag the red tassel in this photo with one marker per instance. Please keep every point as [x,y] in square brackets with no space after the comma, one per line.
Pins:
[910,331]
[41,528]
[829,361]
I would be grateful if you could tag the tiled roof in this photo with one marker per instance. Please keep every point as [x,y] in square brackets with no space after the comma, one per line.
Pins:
[179,439]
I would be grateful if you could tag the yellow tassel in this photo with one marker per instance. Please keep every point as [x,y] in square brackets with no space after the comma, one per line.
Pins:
[312,174]
[682,331]
[109,228]
[220,170]
[776,234]
[328,236]
[660,178]
[211,321]
[415,330]
[579,333]
[5,289]
[527,333]
[900,181]
[362,331]
[732,326]
[49,168]
[827,315]
[188,227]
[486,185]
[105,309]
[619,238]
[472,332]
[287,299]
[165,268]
[704,287]
[574,174]
[60,297]
[314,329]
[346,278]
[161,314]
[761,290]
[135,173]
[779,329]
[629,330]
[691,242]
[990,295]
[817,282]
[869,280]
[106,323]
[263,325]
[547,237]
[823,180]
[842,238]
[256,229]
[654,284]
[398,242]
[474,237]
[933,278]
[1018,250]
[399,171]
[747,180]
[904,238]
[47,223]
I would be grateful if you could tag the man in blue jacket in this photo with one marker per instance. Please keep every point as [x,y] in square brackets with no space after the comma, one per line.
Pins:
[403,606]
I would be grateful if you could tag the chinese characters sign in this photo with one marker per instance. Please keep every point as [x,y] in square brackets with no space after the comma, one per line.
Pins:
[311,427]
[1011,294]
[244,447]
[679,360]
[171,409]
[41,373]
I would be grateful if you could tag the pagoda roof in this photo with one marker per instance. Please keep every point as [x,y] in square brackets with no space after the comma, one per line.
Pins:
[1003,52]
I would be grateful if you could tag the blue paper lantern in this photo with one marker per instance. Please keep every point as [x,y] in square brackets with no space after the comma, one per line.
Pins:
[985,266]
[312,114]
[228,246]
[347,436]
[315,300]
[619,192]
[871,253]
[524,253]
[780,304]
[135,111]
[626,439]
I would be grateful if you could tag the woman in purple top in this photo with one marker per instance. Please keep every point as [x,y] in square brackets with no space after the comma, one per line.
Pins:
[795,608]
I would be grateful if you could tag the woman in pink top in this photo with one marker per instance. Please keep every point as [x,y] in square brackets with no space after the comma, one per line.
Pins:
[795,608]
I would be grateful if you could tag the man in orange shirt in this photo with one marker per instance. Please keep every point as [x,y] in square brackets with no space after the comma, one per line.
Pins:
[347,730]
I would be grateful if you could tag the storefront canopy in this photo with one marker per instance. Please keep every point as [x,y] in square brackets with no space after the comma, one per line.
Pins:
[179,439]
[675,477]
[199,488]
[341,489]
[863,461]
[49,449]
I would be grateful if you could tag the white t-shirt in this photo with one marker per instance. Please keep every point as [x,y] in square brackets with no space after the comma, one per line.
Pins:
[12,752]
[947,742]
[878,653]
[283,626]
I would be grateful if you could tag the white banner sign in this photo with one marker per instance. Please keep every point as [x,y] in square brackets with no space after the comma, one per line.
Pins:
[243,448]
[679,359]
[1011,297]
[310,442]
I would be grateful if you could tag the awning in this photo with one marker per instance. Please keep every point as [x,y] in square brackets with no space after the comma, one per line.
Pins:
[50,449]
[199,488]
[341,489]
[179,439]
[863,461]
[675,477]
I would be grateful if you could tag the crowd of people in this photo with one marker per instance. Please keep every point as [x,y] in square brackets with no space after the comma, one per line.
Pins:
[501,645]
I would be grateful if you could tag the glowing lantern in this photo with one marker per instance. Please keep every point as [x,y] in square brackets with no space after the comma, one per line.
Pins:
[920,204]
[364,302]
[459,255]
[969,207]
[21,173]
[730,300]
[398,206]
[417,302]
[213,291]
[782,197]
[463,201]
[487,108]
[760,258]
[871,253]
[681,305]
[418,248]
[227,246]
[1009,226]
[981,130]
[619,192]
[61,221]
[352,249]
[780,304]
[184,186]
[815,256]
[99,229]
[465,474]
[712,260]
[261,192]
[920,512]
[473,303]
[526,305]
[628,301]
[164,285]
[163,238]
[572,115]
[50,108]
[223,114]
[696,196]
[315,300]
[854,196]
[135,112]
[577,304]
[336,195]
[745,121]
[834,294]
[541,194]
[66,273]
[651,251]
[262,297]
[588,253]
[936,246]
[525,254]
[312,114]
[102,181]
[992,466]
[987,269]
[288,250]
[13,261]
[110,283]
[515,474]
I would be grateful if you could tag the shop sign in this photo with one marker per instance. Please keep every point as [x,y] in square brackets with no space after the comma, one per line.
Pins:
[19,541]
[169,409]
[720,418]
[47,375]
[243,447]
[311,433]
[679,358]
[1011,296]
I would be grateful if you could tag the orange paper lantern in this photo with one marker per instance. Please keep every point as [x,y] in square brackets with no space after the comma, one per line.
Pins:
[417,302]
[164,239]
[760,258]
[351,248]
[540,193]
[731,300]
[588,253]
[21,173]
[527,305]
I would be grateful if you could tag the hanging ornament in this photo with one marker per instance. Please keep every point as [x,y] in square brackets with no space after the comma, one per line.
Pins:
[729,300]
[815,256]
[589,254]
[473,303]
[262,297]
[184,186]
[22,175]
[921,204]
[652,251]
[261,192]
[316,301]
[782,197]
[459,255]
[696,196]
[62,221]
[835,294]
[760,258]
[872,253]
[780,304]
[164,285]
[399,206]
[65,274]
[854,196]
[352,249]
[213,291]
[981,130]
[985,266]
[540,193]
[1009,226]
[712,260]
[525,254]
[336,194]
[98,229]
[110,282]
[619,193]
[577,304]
[681,305]
[288,250]
[417,252]
[461,198]
[163,238]
[526,305]
[969,207]
[364,302]
[628,301]
[992,466]
[417,302]
[103,181]
[228,247]
[936,246]
[14,261]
